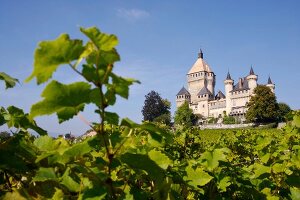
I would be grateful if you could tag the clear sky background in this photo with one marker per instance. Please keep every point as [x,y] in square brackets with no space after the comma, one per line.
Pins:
[159,42]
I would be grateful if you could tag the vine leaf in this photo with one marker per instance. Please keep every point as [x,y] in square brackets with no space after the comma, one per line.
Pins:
[111,118]
[69,182]
[211,159]
[160,159]
[45,174]
[197,177]
[122,85]
[224,183]
[9,81]
[296,120]
[261,170]
[102,41]
[64,100]
[143,162]
[50,54]
[15,117]
[295,193]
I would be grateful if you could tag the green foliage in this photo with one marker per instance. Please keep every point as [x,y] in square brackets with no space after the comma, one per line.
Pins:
[10,82]
[228,120]
[262,107]
[283,111]
[184,116]
[156,109]
[212,120]
[65,100]
[126,160]
[15,117]
[50,54]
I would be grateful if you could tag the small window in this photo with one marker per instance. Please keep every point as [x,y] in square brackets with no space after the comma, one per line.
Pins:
[203,106]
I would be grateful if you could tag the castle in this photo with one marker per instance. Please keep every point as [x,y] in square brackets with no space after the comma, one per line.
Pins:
[201,92]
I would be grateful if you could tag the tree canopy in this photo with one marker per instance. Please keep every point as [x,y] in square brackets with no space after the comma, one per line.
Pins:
[156,109]
[283,111]
[263,106]
[185,116]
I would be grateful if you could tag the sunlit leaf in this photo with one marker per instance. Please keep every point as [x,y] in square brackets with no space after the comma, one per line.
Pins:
[160,158]
[64,100]
[101,40]
[50,54]
[224,183]
[211,159]
[197,177]
[260,170]
[295,193]
[69,182]
[15,117]
[45,174]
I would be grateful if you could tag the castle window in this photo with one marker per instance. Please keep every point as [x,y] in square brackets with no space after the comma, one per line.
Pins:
[203,106]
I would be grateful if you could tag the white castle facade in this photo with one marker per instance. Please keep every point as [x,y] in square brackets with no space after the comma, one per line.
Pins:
[202,98]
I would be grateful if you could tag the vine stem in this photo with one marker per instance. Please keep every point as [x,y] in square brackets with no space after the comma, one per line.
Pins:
[102,107]
[7,180]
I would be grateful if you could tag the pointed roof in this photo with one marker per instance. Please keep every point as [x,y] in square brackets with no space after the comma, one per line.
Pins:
[251,71]
[220,95]
[203,91]
[183,91]
[228,76]
[269,80]
[200,54]
[241,85]
[200,65]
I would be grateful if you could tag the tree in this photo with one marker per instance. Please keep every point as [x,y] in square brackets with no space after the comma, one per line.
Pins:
[228,120]
[156,109]
[283,111]
[262,107]
[185,116]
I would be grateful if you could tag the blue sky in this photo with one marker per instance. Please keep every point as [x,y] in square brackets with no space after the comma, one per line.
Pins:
[159,41]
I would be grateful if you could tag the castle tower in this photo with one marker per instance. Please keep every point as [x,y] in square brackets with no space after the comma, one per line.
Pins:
[228,82]
[182,96]
[200,76]
[252,80]
[270,84]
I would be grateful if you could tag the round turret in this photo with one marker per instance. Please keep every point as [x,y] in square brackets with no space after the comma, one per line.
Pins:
[228,82]
[252,80]
[270,84]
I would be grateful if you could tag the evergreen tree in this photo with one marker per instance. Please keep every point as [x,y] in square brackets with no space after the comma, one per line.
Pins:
[262,107]
[156,109]
[185,116]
